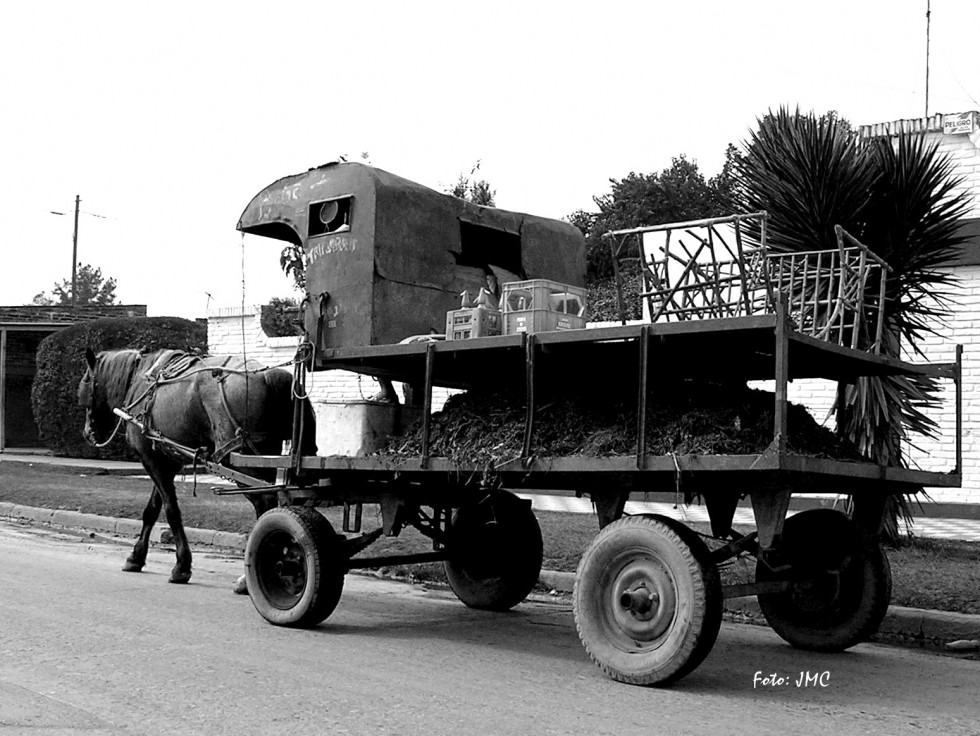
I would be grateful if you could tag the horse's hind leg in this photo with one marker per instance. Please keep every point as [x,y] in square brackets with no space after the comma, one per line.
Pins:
[136,560]
[261,502]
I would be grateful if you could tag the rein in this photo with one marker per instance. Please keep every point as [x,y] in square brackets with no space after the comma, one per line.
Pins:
[111,436]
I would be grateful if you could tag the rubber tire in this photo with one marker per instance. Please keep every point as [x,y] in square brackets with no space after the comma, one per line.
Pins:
[673,560]
[313,593]
[495,552]
[714,599]
[849,610]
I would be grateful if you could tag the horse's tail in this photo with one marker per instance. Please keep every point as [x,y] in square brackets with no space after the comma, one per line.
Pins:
[280,384]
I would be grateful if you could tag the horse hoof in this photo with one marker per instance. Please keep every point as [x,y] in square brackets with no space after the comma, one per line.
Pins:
[241,586]
[180,577]
[131,566]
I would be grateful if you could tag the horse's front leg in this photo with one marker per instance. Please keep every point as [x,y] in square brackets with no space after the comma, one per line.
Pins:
[164,478]
[137,559]
[181,572]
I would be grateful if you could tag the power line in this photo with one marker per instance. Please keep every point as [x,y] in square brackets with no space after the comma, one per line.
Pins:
[956,79]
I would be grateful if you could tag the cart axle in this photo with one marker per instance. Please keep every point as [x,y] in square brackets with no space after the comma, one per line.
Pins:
[368,562]
[639,601]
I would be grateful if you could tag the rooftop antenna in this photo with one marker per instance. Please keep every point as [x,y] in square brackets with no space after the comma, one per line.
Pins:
[928,16]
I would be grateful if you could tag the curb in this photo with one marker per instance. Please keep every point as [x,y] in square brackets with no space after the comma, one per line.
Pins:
[78,468]
[123,527]
[905,624]
[918,624]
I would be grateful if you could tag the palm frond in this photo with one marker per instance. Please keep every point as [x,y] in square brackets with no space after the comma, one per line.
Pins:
[912,220]
[809,175]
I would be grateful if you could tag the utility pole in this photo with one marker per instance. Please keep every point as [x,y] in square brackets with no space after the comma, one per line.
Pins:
[74,257]
[928,19]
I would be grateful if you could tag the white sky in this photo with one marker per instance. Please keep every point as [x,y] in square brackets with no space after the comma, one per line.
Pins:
[167,118]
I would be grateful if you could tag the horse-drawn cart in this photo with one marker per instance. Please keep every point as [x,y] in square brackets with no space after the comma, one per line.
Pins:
[648,596]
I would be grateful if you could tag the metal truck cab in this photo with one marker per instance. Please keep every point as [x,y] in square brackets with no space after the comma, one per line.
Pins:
[386,258]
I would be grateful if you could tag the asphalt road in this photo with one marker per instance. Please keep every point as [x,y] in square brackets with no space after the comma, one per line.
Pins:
[88,649]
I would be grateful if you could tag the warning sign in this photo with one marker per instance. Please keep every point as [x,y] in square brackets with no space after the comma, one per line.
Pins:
[962,122]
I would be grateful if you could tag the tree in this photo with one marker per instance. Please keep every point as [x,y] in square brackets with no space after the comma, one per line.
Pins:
[93,288]
[280,316]
[473,190]
[724,185]
[677,193]
[292,260]
[813,173]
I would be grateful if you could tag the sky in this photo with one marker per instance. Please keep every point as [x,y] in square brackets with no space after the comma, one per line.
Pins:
[167,118]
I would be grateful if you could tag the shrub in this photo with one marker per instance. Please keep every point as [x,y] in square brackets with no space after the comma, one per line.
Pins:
[280,317]
[61,365]
[603,303]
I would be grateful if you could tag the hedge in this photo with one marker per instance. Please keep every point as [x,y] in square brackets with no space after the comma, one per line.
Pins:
[61,365]
[603,300]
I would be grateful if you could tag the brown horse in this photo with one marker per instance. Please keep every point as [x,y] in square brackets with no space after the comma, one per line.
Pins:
[217,404]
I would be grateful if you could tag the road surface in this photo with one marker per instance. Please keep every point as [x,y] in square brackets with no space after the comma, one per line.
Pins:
[88,649]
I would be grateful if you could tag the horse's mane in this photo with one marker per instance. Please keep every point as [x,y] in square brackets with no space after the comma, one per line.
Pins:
[115,370]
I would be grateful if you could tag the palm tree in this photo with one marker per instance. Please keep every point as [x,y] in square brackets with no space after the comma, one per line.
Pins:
[813,173]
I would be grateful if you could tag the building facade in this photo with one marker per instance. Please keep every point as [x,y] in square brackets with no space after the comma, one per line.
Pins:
[957,137]
[22,328]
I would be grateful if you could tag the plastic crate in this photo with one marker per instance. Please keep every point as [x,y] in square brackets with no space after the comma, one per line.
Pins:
[546,296]
[540,320]
[462,324]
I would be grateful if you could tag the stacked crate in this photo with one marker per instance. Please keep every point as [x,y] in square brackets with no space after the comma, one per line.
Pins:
[462,324]
[541,305]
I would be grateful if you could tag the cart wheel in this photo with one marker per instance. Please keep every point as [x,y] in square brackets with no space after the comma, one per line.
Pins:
[841,584]
[294,567]
[496,552]
[647,600]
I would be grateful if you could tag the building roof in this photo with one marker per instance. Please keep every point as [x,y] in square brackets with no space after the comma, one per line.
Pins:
[960,122]
[66,315]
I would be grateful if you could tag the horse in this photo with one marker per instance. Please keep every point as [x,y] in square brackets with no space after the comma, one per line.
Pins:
[216,405]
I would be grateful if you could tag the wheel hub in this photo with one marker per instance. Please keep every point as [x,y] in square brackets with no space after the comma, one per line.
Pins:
[645,600]
[817,591]
[640,601]
[282,574]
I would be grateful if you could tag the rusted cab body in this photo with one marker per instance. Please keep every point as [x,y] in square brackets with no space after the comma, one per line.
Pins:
[386,258]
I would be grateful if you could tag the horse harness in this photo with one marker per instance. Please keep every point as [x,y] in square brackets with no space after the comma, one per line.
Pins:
[173,366]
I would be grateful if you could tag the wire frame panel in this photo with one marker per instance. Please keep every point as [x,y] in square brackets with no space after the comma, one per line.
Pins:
[710,269]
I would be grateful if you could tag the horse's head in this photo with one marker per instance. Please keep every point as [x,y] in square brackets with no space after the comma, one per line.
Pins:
[92,397]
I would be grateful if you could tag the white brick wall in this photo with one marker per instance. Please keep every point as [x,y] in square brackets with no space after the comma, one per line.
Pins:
[964,151]
[232,327]
[963,328]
